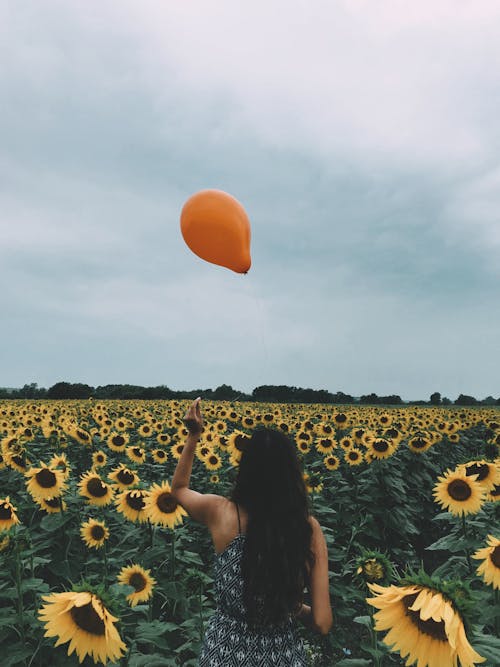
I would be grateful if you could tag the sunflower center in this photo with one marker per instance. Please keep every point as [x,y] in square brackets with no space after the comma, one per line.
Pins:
[480,469]
[419,443]
[495,556]
[459,490]
[96,488]
[46,478]
[118,440]
[435,629]
[166,503]
[88,619]
[125,476]
[137,451]
[5,512]
[97,532]
[340,419]
[213,460]
[353,456]
[380,446]
[82,435]
[160,454]
[135,501]
[138,581]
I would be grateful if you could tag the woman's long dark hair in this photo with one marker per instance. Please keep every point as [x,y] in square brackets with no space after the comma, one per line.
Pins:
[277,552]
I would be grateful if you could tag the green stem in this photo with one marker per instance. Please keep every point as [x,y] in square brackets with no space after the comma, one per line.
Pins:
[497,616]
[172,554]
[373,632]
[467,552]
[20,609]
[105,555]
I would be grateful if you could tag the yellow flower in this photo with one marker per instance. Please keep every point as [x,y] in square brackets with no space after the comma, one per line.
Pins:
[83,620]
[140,579]
[8,516]
[124,477]
[459,493]
[99,459]
[132,504]
[490,567]
[161,506]
[94,533]
[95,490]
[45,482]
[423,626]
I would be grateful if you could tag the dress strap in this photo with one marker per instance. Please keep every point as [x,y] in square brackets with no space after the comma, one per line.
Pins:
[238,511]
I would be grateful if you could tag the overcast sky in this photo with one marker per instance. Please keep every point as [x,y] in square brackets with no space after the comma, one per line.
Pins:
[363,139]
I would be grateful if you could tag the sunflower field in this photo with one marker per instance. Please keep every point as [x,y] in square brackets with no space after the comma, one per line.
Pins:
[99,564]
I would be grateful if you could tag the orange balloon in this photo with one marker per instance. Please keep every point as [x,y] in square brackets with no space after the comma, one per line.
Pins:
[216,228]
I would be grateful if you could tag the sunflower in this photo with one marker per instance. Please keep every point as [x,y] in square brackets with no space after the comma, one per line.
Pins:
[312,483]
[494,495]
[94,533]
[341,420]
[60,461]
[45,482]
[124,477]
[177,449]
[380,448]
[159,455]
[419,444]
[374,566]
[99,459]
[52,505]
[132,504]
[458,493]
[80,435]
[8,516]
[163,438]
[117,441]
[354,456]
[303,446]
[82,619]
[325,445]
[214,479]
[145,430]
[248,422]
[161,506]
[346,443]
[488,473]
[331,462]
[324,430]
[17,461]
[136,454]
[213,461]
[236,443]
[424,626]
[490,567]
[95,489]
[140,579]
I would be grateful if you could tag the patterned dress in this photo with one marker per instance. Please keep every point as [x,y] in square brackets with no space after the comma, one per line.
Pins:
[228,641]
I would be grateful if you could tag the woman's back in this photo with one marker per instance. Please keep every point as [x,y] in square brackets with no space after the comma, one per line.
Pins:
[229,639]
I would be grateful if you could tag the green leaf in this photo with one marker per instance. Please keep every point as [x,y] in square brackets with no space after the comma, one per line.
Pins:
[354,662]
[364,620]
[151,660]
[488,647]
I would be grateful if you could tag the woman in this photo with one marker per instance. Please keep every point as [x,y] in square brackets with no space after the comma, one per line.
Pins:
[268,549]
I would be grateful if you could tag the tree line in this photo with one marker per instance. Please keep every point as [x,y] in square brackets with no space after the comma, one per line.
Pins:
[264,393]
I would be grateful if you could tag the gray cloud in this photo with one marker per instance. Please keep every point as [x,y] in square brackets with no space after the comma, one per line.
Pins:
[362,146]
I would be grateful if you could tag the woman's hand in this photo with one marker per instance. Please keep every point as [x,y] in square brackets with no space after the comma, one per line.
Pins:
[193,418]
